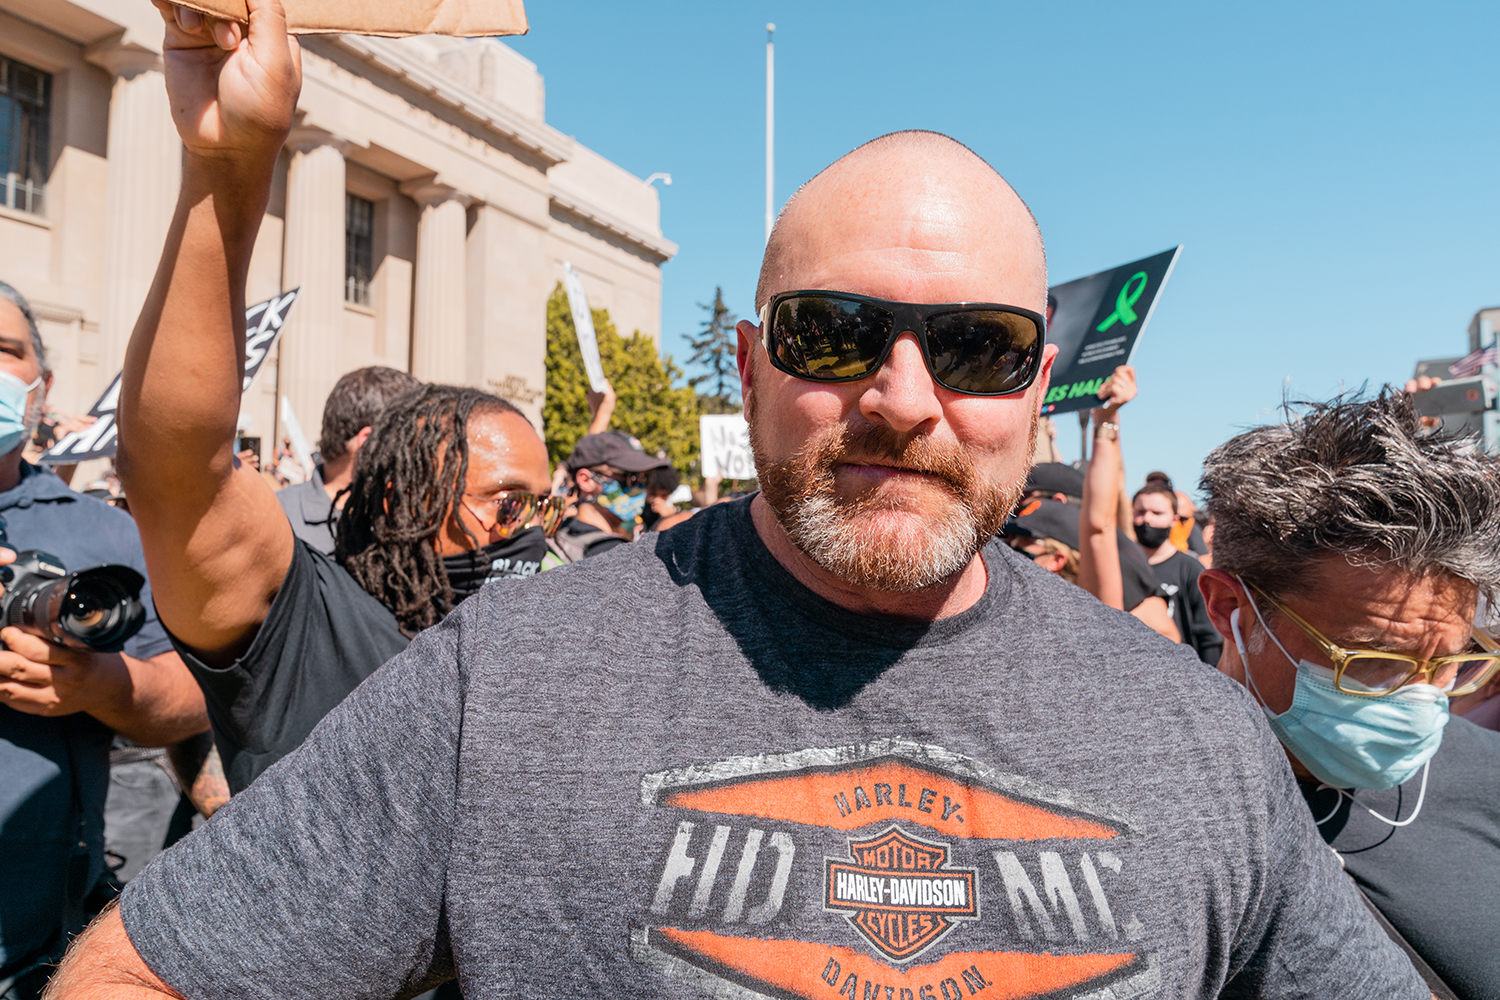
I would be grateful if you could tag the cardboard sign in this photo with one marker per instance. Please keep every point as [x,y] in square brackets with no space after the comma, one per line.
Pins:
[263,323]
[384,17]
[726,446]
[1096,322]
[583,326]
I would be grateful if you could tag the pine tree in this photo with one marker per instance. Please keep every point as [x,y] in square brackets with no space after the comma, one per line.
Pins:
[714,351]
[649,404]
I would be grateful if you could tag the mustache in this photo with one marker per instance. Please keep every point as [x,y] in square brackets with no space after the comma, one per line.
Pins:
[876,444]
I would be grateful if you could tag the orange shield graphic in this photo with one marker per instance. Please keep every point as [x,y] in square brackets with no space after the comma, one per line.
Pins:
[899,893]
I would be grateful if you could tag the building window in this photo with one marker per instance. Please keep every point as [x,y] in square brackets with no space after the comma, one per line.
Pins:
[359,248]
[25,94]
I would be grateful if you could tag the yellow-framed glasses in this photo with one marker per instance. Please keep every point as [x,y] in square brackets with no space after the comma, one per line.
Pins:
[509,510]
[1371,674]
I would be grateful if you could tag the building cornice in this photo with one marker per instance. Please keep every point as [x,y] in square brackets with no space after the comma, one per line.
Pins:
[658,248]
[545,141]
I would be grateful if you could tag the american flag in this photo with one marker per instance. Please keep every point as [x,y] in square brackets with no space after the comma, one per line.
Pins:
[1469,366]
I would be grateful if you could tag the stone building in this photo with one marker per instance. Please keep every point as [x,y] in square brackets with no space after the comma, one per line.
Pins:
[422,204]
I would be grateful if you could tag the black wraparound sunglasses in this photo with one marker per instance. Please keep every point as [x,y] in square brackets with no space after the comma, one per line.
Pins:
[976,348]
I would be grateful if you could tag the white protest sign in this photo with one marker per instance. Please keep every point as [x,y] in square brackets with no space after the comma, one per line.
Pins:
[583,325]
[301,450]
[726,446]
[263,322]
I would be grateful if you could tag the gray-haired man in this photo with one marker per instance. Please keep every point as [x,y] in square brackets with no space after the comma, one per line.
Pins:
[1349,555]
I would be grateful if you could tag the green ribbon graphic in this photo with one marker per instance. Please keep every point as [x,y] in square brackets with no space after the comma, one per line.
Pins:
[1128,297]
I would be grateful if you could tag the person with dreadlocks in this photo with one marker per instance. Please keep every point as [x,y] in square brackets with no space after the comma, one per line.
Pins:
[443,498]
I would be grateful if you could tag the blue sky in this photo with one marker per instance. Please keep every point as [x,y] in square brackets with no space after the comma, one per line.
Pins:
[1333,170]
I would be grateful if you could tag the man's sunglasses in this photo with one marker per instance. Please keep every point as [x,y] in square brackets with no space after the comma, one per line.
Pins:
[510,510]
[976,348]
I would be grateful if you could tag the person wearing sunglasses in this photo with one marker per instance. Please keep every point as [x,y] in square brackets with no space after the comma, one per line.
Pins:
[815,741]
[609,475]
[1350,548]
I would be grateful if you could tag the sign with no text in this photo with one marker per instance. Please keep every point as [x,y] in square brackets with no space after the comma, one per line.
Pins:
[1096,321]
[726,446]
[263,322]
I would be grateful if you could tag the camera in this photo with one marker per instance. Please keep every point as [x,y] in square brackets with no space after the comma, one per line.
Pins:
[96,609]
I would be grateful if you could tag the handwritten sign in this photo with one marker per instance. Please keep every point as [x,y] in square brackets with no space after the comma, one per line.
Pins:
[263,322]
[726,446]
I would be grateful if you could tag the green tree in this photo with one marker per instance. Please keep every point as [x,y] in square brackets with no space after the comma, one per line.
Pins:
[649,403]
[714,349]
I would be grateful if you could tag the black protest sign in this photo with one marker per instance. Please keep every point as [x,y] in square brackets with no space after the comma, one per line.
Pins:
[263,323]
[1096,321]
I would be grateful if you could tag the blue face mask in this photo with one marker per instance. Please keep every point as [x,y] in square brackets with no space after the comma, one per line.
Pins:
[13,396]
[626,504]
[1350,741]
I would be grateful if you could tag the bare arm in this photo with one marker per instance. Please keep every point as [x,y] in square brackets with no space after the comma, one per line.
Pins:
[1098,545]
[1153,611]
[102,964]
[216,543]
[151,702]
[602,406]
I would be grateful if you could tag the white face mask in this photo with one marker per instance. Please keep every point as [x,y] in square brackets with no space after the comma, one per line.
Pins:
[15,415]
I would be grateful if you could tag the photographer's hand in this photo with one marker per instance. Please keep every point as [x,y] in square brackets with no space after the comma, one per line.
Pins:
[152,702]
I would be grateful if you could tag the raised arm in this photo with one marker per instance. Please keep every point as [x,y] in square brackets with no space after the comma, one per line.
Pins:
[217,544]
[1098,545]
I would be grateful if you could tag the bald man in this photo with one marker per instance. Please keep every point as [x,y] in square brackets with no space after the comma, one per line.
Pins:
[828,741]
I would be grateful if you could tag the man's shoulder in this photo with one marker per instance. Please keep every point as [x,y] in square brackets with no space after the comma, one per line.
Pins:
[42,511]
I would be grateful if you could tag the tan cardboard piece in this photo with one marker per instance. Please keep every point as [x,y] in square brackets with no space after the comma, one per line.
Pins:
[392,18]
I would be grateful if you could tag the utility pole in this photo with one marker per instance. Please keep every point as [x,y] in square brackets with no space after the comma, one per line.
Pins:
[770,126]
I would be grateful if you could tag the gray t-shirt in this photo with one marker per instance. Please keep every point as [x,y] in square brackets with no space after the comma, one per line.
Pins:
[673,771]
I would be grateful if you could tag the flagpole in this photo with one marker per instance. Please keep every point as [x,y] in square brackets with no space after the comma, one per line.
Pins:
[770,126]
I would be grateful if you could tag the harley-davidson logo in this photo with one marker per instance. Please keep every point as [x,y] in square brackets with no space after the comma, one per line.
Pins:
[896,891]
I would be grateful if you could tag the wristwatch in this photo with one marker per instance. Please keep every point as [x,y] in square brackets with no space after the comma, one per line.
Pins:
[1109,431]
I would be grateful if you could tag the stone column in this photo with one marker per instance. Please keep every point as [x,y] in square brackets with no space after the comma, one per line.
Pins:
[439,333]
[312,343]
[144,171]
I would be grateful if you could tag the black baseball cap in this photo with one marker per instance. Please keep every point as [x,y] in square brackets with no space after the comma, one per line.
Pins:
[1055,477]
[1046,519]
[614,448]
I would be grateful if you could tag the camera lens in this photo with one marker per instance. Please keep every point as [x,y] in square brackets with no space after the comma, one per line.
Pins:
[100,609]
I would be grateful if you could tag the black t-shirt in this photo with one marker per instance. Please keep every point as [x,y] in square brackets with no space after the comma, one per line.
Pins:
[1136,575]
[1438,880]
[1179,579]
[323,635]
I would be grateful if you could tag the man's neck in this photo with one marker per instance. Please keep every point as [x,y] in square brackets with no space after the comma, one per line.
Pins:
[590,512]
[954,596]
[10,469]
[1164,551]
[337,474]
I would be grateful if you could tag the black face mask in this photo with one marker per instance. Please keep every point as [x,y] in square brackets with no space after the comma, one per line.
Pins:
[1151,537]
[516,557]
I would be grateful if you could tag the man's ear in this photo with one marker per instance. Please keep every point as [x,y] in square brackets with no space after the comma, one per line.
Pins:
[1044,377]
[1222,594]
[358,441]
[744,358]
[1052,562]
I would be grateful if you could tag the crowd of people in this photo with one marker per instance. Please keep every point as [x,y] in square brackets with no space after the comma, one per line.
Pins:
[922,714]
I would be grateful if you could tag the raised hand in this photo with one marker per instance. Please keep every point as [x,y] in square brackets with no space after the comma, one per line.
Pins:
[1116,391]
[233,90]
